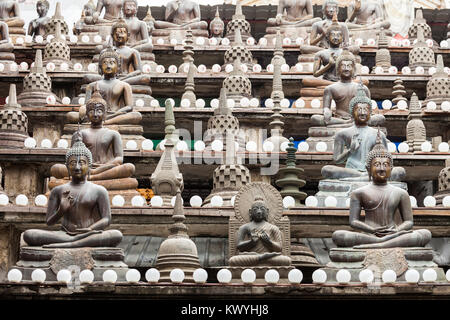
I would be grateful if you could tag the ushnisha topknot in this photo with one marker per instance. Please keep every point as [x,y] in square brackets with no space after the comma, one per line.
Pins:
[360,97]
[378,151]
[79,149]
[95,100]
[109,52]
[44,2]
[334,25]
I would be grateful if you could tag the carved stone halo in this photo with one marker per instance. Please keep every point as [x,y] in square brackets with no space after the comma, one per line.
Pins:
[246,196]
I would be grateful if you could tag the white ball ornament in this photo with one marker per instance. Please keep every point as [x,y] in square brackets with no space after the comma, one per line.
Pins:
[311,201]
[419,70]
[38,275]
[156,201]
[288,202]
[330,201]
[78,67]
[366,276]
[343,276]
[412,276]
[109,276]
[152,275]
[443,147]
[22,200]
[413,201]
[254,102]
[177,275]
[216,68]
[251,146]
[263,42]
[200,41]
[133,276]
[46,144]
[295,276]
[224,276]
[118,201]
[403,147]
[30,143]
[300,103]
[272,276]
[285,103]
[250,41]
[39,39]
[217,145]
[147,145]
[200,103]
[406,70]
[319,276]
[229,68]
[185,103]
[321,146]
[386,104]
[65,100]
[85,39]
[4,200]
[64,276]
[196,202]
[315,103]
[131,145]
[40,200]
[160,41]
[154,103]
[160,69]
[429,275]
[14,275]
[86,276]
[216,201]
[137,201]
[268,146]
[213,42]
[225,42]
[244,102]
[365,70]
[146,68]
[200,275]
[402,105]
[199,146]
[389,276]
[379,70]
[97,38]
[445,106]
[429,201]
[248,276]
[303,146]
[392,147]
[431,105]
[269,68]
[393,70]
[426,146]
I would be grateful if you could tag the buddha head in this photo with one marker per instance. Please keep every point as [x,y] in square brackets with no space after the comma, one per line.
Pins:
[216,26]
[259,210]
[334,33]
[346,65]
[89,9]
[130,8]
[379,162]
[120,32]
[329,8]
[360,107]
[109,62]
[78,159]
[96,108]
[42,7]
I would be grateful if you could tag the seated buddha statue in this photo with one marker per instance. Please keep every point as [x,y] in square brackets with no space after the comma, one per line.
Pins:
[366,19]
[318,40]
[105,145]
[292,14]
[37,26]
[82,205]
[10,14]
[117,93]
[381,201]
[181,15]
[92,24]
[342,92]
[7,55]
[259,243]
[138,31]
[353,144]
[216,26]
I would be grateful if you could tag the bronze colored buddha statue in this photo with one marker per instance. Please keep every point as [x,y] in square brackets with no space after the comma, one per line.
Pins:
[353,144]
[37,26]
[138,31]
[117,93]
[366,19]
[259,242]
[181,15]
[10,14]
[380,201]
[83,207]
[293,16]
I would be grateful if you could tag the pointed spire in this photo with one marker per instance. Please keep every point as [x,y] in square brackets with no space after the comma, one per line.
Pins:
[189,86]
[237,37]
[178,229]
[419,17]
[420,37]
[382,39]
[12,98]
[58,14]
[217,15]
[277,86]
[238,11]
[440,71]
[237,70]
[169,122]
[291,150]
[414,104]
[223,108]
[58,36]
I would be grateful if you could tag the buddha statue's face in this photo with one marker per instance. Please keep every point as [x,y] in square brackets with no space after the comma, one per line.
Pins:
[258,212]
[380,169]
[217,29]
[78,166]
[88,10]
[346,69]
[335,37]
[109,67]
[330,9]
[361,113]
[120,35]
[129,8]
[96,113]
[41,9]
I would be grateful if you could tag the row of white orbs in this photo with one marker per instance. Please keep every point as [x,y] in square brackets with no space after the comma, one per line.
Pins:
[224,276]
[73,39]
[152,275]
[419,70]
[366,276]
[23,201]
[331,202]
